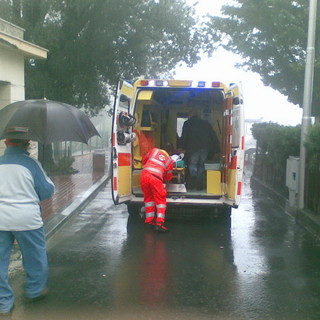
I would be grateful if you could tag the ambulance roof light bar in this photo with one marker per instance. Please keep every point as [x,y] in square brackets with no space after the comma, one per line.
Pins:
[198,84]
[157,83]
[194,84]
[206,84]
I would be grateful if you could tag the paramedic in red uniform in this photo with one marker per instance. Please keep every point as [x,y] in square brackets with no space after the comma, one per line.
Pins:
[157,169]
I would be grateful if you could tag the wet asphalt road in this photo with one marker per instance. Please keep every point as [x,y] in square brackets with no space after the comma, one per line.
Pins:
[106,266]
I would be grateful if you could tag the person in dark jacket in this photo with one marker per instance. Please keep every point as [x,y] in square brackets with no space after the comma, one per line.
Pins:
[199,140]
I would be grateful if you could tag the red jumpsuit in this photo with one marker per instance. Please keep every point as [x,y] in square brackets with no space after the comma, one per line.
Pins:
[157,169]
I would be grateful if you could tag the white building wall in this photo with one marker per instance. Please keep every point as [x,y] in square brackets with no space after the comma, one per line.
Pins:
[11,80]
[12,77]
[13,52]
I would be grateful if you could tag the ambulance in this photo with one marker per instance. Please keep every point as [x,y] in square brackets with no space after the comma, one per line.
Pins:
[149,113]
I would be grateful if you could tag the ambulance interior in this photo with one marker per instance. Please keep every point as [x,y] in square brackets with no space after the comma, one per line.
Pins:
[160,114]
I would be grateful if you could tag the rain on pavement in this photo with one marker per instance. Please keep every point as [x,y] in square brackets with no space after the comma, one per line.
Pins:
[106,266]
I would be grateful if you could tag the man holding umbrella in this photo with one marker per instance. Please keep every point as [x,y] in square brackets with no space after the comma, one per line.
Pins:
[23,185]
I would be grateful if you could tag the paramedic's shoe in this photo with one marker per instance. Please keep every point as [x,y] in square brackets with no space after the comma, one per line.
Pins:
[161,228]
[151,223]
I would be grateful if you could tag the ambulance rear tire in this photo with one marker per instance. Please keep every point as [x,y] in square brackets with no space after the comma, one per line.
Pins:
[133,209]
[222,215]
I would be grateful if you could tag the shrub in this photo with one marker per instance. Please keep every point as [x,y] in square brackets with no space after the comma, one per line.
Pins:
[275,143]
[278,141]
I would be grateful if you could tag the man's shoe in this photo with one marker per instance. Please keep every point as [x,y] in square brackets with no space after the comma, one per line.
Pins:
[161,228]
[6,315]
[41,296]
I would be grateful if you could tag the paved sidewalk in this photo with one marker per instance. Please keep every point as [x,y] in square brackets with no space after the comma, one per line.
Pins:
[72,192]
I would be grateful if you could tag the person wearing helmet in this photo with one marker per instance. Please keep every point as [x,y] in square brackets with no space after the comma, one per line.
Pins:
[157,169]
[23,185]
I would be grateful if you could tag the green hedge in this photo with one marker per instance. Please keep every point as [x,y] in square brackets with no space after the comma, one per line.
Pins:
[275,143]
[278,141]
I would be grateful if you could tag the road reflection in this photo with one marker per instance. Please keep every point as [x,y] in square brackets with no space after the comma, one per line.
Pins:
[190,268]
[106,265]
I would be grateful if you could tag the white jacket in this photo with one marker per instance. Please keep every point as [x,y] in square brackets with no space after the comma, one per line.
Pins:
[23,184]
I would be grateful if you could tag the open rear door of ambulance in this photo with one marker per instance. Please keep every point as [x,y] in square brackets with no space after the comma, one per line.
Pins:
[236,129]
[122,138]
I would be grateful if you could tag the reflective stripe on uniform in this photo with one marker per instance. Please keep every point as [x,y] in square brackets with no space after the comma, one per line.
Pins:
[160,163]
[161,206]
[154,153]
[153,170]
[168,162]
[161,215]
[150,214]
[153,159]
[149,204]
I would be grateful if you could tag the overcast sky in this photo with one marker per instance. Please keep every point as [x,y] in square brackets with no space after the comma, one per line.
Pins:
[260,102]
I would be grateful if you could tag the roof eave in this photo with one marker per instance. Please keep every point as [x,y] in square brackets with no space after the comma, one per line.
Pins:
[27,49]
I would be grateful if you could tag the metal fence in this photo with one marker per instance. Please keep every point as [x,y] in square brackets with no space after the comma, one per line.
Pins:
[274,176]
[68,149]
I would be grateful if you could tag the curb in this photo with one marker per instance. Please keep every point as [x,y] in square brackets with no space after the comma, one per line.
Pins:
[309,221]
[280,200]
[305,218]
[59,218]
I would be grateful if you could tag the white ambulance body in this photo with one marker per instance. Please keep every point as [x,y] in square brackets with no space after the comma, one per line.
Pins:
[150,113]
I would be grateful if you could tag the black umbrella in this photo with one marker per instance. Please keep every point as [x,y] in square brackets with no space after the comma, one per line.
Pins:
[45,121]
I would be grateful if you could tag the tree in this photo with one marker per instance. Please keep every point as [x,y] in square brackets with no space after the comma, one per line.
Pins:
[271,37]
[93,43]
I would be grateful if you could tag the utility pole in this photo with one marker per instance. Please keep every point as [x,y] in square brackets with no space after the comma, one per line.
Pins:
[307,97]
